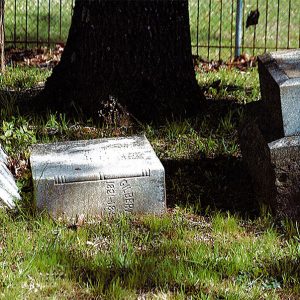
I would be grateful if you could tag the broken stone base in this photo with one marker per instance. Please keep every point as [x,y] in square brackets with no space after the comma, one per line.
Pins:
[274,166]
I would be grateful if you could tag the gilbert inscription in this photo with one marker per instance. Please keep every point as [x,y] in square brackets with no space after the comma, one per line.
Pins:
[127,195]
[122,189]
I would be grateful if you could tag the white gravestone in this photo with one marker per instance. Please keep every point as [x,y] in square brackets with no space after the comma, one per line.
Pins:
[8,188]
[3,156]
[98,176]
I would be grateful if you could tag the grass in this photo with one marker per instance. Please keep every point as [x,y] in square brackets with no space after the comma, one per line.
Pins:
[214,242]
[216,26]
[241,87]
[19,79]
[177,256]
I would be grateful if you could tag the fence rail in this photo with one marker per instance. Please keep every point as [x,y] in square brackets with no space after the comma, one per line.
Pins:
[33,23]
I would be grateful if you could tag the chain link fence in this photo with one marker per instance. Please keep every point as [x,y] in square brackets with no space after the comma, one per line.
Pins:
[33,23]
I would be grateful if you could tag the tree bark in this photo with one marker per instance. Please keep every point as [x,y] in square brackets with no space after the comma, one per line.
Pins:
[138,51]
[2,54]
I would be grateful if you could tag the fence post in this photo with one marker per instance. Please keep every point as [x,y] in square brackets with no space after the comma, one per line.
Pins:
[238,28]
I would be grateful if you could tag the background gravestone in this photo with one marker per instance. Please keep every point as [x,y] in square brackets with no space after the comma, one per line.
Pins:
[269,135]
[274,168]
[98,176]
[280,90]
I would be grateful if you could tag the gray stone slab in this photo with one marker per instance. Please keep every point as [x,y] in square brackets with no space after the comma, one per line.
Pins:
[98,176]
[279,74]
[8,188]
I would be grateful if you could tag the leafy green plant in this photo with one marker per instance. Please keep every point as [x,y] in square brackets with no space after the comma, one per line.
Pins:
[16,135]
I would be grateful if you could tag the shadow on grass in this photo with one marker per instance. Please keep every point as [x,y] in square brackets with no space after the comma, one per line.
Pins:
[221,183]
[159,270]
[152,270]
[286,271]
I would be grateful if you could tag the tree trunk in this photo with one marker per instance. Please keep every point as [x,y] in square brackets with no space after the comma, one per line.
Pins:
[2,54]
[138,51]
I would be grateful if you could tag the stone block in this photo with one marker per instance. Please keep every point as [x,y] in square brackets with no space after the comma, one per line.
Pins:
[279,74]
[92,177]
[274,168]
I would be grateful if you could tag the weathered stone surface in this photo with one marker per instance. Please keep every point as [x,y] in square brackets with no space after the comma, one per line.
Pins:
[3,156]
[279,74]
[274,168]
[285,159]
[8,188]
[98,176]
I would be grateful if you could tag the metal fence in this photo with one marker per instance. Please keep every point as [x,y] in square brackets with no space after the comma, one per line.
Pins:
[31,23]
[213,27]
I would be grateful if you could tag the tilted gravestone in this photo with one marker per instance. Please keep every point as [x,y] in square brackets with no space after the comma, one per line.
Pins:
[8,188]
[270,135]
[98,176]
